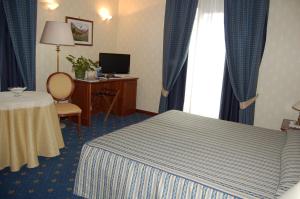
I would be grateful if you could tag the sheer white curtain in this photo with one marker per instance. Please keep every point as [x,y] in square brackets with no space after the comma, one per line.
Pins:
[206,60]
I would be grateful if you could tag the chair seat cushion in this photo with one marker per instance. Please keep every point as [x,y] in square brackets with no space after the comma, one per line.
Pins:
[67,108]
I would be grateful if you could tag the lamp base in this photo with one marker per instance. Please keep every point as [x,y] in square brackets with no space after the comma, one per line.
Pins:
[62,125]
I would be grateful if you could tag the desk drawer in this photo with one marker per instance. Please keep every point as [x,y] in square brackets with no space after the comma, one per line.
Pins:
[105,85]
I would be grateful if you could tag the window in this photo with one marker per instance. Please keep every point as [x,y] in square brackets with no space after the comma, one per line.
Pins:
[206,60]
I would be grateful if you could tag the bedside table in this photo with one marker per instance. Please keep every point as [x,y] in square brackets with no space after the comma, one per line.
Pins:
[285,124]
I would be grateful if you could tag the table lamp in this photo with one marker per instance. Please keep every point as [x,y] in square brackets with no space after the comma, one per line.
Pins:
[59,34]
[297,108]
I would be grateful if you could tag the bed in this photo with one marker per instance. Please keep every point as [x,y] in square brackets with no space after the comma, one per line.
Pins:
[180,155]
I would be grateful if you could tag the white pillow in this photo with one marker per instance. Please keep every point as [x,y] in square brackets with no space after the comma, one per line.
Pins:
[292,193]
[290,163]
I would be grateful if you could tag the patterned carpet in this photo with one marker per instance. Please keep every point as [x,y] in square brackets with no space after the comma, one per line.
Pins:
[54,178]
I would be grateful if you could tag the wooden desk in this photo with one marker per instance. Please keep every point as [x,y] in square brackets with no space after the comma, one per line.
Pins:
[85,96]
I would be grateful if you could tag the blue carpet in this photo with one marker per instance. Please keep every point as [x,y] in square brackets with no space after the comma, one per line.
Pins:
[54,178]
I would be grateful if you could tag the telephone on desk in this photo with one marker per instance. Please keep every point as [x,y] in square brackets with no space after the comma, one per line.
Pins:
[294,125]
[109,76]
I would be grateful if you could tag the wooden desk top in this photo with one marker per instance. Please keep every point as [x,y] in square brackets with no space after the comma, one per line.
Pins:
[106,80]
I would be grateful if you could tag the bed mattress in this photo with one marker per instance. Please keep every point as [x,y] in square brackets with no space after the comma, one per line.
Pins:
[180,155]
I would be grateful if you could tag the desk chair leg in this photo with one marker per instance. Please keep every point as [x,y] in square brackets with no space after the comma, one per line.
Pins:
[78,123]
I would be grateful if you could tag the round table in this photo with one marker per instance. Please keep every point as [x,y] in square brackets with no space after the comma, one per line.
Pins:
[29,127]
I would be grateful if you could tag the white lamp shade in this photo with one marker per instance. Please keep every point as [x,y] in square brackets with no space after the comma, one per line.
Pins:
[297,106]
[57,33]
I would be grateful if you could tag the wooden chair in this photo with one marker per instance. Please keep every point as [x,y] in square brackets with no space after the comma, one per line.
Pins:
[61,86]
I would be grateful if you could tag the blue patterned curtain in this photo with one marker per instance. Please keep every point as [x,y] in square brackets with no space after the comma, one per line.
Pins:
[20,16]
[230,106]
[179,20]
[9,75]
[245,35]
[177,94]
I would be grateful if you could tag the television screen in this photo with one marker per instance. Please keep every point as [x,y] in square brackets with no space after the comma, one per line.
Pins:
[114,63]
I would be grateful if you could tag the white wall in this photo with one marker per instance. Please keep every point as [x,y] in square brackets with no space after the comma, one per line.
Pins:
[279,78]
[140,33]
[105,34]
[137,28]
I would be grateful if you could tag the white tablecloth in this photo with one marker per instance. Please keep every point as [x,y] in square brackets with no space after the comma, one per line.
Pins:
[29,127]
[27,99]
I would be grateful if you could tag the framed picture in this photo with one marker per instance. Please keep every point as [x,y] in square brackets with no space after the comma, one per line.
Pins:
[82,31]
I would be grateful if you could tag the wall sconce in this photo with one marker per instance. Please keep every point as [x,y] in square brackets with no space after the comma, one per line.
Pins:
[53,5]
[104,14]
[50,4]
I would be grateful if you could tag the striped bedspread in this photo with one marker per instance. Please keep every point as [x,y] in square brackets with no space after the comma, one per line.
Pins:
[179,155]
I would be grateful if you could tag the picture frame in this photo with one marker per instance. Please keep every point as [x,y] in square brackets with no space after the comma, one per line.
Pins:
[82,30]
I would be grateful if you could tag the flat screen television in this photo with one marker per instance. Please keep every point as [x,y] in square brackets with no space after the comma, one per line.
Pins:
[114,63]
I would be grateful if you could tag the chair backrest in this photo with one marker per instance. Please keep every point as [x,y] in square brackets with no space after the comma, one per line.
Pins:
[60,85]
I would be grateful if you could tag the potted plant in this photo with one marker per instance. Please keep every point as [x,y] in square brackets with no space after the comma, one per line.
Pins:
[80,65]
